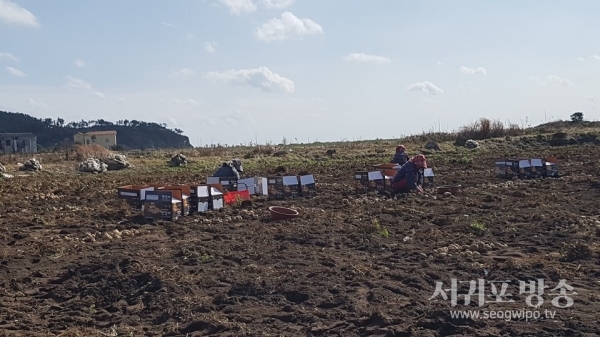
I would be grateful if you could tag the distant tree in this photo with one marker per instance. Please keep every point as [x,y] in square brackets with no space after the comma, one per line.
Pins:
[48,122]
[577,117]
[178,131]
[60,122]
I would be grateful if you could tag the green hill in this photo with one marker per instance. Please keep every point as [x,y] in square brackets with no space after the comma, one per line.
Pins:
[131,134]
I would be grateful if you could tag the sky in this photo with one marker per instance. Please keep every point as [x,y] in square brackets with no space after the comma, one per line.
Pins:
[236,71]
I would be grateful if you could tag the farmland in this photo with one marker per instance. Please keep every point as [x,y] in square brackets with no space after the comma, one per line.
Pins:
[76,262]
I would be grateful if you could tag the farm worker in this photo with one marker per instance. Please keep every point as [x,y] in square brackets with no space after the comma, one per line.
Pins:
[410,176]
[400,157]
[229,169]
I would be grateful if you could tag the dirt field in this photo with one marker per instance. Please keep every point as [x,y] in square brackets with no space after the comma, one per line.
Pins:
[74,262]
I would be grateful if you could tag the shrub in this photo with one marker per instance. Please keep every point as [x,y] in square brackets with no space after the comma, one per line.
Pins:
[485,129]
[577,117]
[83,152]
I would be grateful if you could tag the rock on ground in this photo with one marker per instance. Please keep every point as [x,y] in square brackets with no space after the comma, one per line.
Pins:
[116,162]
[471,144]
[92,165]
[31,165]
[432,146]
[178,160]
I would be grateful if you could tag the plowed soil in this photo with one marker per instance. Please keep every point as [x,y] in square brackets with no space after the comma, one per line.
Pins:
[75,262]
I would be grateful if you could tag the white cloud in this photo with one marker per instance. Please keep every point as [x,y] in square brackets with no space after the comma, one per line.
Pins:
[426,87]
[361,57]
[552,79]
[559,80]
[473,71]
[288,27]
[580,59]
[35,104]
[173,121]
[80,64]
[240,115]
[239,7]
[168,24]
[259,78]
[183,73]
[236,117]
[591,98]
[533,78]
[77,83]
[210,47]
[277,4]
[595,57]
[8,56]
[185,102]
[12,13]
[439,63]
[189,36]
[15,72]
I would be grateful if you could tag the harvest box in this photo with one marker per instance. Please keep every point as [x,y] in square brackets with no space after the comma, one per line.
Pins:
[524,168]
[163,204]
[365,181]
[209,197]
[291,187]
[134,195]
[228,183]
[308,187]
[527,168]
[255,185]
[275,187]
[428,176]
[184,197]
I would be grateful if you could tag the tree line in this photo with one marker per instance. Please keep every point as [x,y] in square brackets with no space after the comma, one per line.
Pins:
[83,124]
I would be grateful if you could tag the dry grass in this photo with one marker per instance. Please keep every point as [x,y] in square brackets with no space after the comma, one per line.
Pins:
[434,136]
[44,158]
[83,152]
[212,151]
[485,129]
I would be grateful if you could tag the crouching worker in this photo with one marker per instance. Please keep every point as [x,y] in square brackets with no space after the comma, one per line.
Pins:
[410,176]
[230,169]
[400,157]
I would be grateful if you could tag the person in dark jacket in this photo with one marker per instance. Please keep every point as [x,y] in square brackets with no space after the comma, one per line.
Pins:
[230,169]
[410,176]
[400,157]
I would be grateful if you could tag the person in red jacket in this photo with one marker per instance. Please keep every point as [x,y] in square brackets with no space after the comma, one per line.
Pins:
[410,176]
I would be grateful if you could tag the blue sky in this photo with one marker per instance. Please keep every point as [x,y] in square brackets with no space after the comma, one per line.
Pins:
[233,71]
